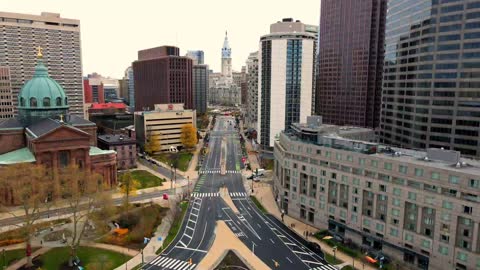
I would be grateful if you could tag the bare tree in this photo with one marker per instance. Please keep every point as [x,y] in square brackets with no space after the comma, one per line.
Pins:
[81,190]
[29,186]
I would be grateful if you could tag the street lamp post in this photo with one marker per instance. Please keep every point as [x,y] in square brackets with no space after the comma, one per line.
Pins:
[188,180]
[171,175]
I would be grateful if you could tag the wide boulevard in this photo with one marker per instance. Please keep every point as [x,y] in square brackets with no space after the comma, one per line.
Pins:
[267,237]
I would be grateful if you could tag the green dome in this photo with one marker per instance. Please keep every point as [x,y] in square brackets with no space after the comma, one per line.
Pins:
[42,92]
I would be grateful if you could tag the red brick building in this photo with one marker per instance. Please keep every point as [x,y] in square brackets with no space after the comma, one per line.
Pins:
[44,133]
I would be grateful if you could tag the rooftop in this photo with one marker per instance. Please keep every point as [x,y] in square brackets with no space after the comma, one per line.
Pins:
[116,139]
[95,151]
[22,155]
[110,105]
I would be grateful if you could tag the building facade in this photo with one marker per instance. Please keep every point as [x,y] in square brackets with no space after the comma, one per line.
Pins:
[251,114]
[350,62]
[240,79]
[124,146]
[197,56]
[431,75]
[6,97]
[131,88]
[200,87]
[161,76]
[286,62]
[418,208]
[164,124]
[60,38]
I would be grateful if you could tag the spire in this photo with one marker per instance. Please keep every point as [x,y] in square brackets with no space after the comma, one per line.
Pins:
[40,69]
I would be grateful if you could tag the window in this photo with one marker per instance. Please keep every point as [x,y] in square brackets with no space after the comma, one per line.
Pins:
[63,157]
[412,196]
[408,237]
[395,212]
[66,101]
[435,176]
[393,232]
[33,102]
[402,169]
[426,243]
[22,102]
[467,209]
[474,183]
[361,161]
[46,102]
[462,256]
[366,222]
[447,205]
[380,227]
[396,202]
[374,163]
[418,172]
[453,179]
[397,191]
[58,101]
[387,166]
[339,156]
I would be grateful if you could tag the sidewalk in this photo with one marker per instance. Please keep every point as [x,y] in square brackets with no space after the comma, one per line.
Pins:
[264,194]
[252,155]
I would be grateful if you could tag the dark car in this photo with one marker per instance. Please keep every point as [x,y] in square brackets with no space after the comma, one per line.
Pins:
[315,247]
[251,177]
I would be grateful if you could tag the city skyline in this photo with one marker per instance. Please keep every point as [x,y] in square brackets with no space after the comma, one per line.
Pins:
[112,60]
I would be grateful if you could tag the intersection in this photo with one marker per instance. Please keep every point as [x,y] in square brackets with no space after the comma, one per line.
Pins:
[268,238]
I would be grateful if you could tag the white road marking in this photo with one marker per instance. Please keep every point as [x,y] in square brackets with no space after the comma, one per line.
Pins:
[272,241]
[180,242]
[288,259]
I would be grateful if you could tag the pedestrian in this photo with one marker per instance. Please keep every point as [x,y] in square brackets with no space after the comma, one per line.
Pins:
[41,242]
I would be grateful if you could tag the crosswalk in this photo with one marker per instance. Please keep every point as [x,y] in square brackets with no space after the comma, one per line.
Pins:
[218,171]
[238,194]
[174,264]
[205,194]
[324,267]
[240,234]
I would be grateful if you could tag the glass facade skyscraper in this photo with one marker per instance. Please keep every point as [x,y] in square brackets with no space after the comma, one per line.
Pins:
[431,79]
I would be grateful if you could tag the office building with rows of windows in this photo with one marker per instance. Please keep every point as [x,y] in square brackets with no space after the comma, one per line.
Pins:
[60,40]
[286,60]
[432,75]
[420,208]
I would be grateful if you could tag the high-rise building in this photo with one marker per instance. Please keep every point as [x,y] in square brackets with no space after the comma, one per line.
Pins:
[251,113]
[6,99]
[93,91]
[226,58]
[285,79]
[240,79]
[350,62]
[197,56]
[131,88]
[60,40]
[431,80]
[162,76]
[200,87]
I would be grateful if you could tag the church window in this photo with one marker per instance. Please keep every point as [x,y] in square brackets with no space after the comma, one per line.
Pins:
[46,102]
[22,102]
[66,101]
[59,101]
[63,159]
[33,102]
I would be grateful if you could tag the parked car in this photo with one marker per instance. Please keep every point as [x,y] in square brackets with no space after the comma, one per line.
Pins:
[251,177]
[256,179]
[261,172]
[315,247]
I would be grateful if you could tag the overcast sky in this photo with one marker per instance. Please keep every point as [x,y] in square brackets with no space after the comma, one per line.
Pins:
[112,31]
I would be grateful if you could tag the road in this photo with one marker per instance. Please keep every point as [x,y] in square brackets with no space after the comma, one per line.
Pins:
[269,239]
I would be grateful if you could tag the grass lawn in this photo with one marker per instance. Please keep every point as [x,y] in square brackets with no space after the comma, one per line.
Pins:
[329,258]
[146,179]
[54,258]
[177,223]
[258,204]
[183,159]
[13,255]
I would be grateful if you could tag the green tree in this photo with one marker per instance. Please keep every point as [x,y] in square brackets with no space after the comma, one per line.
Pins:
[153,144]
[188,136]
